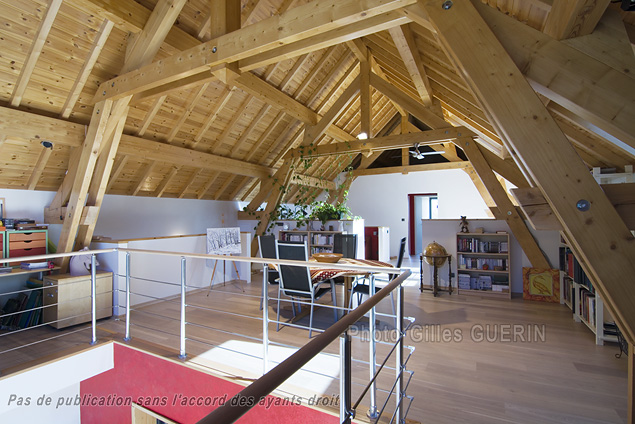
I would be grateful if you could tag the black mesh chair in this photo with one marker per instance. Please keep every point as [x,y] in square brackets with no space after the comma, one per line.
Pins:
[346,244]
[267,247]
[362,287]
[295,281]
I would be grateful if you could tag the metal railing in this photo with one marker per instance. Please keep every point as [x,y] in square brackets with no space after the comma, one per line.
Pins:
[272,379]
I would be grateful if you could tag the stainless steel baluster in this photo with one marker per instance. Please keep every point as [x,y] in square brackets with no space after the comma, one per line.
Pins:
[182,354]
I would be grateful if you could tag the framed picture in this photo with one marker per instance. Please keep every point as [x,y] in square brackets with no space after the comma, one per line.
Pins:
[223,241]
[541,284]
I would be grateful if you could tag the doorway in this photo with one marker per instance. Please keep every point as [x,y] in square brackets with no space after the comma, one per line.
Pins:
[421,206]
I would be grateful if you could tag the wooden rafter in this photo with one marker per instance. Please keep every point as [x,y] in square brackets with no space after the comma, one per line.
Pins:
[598,235]
[404,40]
[506,209]
[87,67]
[558,71]
[573,18]
[294,25]
[34,52]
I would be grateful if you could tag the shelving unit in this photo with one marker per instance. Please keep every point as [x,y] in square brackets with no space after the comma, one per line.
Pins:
[580,296]
[483,264]
[317,241]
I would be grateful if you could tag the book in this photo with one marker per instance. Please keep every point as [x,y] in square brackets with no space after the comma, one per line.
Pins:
[34,265]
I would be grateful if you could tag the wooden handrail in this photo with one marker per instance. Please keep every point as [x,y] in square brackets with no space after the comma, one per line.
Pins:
[249,397]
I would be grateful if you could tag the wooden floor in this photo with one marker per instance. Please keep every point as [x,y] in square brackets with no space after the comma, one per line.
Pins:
[463,378]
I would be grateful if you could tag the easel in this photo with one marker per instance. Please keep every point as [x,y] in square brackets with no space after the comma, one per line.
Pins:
[211,281]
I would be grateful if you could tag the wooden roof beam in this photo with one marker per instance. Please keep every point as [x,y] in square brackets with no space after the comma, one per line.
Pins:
[573,18]
[297,24]
[405,42]
[87,67]
[34,52]
[597,234]
[587,87]
[411,168]
[181,156]
[377,144]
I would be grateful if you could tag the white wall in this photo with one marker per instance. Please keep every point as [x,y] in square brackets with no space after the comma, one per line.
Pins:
[126,217]
[382,200]
[58,381]
[443,231]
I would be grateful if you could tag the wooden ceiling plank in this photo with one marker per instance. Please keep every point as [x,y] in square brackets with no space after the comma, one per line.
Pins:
[317,67]
[415,108]
[117,169]
[597,235]
[218,107]
[573,18]
[187,112]
[318,129]
[218,144]
[160,190]
[210,181]
[297,66]
[42,159]
[259,88]
[302,22]
[154,109]
[146,174]
[87,67]
[242,183]
[189,182]
[264,136]
[223,187]
[34,52]
[559,72]
[337,68]
[248,131]
[405,42]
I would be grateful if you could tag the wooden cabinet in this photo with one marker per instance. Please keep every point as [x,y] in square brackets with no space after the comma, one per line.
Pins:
[483,264]
[26,243]
[68,298]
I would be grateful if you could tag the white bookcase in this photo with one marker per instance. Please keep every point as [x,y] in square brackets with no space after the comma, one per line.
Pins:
[483,264]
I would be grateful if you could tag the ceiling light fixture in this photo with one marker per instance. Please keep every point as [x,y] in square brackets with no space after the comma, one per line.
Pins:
[362,136]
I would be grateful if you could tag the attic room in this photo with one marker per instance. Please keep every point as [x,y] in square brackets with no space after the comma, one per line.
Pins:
[141,124]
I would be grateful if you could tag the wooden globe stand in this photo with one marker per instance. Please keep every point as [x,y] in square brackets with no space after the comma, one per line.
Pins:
[435,279]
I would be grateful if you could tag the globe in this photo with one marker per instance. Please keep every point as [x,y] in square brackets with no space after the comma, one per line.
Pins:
[432,250]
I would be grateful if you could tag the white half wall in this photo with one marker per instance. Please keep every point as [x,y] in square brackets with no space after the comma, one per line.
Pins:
[57,381]
[443,231]
[382,200]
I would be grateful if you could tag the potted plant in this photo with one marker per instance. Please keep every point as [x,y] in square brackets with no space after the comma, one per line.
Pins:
[324,212]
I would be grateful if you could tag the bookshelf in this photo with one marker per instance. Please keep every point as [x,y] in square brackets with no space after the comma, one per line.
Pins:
[579,295]
[483,264]
[317,241]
